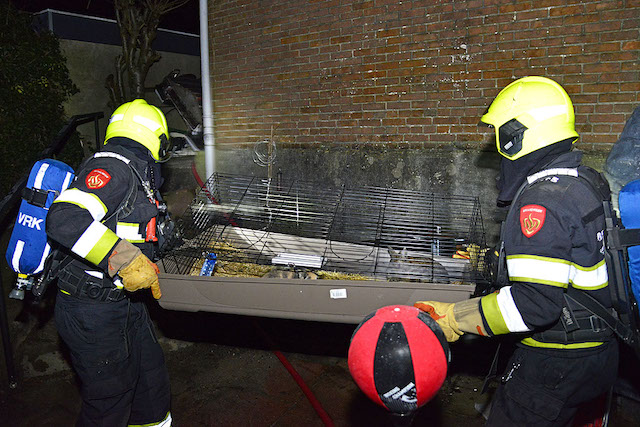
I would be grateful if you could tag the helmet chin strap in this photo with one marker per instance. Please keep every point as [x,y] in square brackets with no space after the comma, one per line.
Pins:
[163,150]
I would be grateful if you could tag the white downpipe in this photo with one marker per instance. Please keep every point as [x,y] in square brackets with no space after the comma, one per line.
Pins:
[207,105]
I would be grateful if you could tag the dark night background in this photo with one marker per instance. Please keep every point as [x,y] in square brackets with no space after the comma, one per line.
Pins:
[185,18]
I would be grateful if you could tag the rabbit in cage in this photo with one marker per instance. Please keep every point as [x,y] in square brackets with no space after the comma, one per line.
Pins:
[290,273]
[414,266]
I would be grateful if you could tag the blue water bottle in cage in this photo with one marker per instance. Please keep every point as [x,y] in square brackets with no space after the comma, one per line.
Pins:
[209,264]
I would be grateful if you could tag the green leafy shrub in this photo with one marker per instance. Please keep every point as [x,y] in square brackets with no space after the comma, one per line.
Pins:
[34,83]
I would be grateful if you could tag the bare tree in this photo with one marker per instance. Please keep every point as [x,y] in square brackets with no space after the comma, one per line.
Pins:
[138,21]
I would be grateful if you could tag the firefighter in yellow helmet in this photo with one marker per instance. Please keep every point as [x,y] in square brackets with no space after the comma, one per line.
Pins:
[552,239]
[105,225]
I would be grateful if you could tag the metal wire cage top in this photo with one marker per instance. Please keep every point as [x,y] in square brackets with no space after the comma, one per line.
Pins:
[263,228]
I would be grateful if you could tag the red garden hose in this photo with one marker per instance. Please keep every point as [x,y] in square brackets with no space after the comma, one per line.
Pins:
[315,403]
[327,421]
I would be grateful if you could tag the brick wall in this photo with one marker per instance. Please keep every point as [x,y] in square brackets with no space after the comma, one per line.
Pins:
[414,72]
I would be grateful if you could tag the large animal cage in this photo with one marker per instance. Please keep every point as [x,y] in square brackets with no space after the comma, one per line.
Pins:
[275,237]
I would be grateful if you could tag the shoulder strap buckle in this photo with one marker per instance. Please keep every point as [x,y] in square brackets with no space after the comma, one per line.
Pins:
[37,196]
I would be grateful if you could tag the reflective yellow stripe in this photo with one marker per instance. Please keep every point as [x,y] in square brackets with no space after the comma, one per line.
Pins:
[492,314]
[553,271]
[152,125]
[589,278]
[501,312]
[88,201]
[95,243]
[509,311]
[129,231]
[103,248]
[538,269]
[89,238]
[103,154]
[554,171]
[533,343]
[166,422]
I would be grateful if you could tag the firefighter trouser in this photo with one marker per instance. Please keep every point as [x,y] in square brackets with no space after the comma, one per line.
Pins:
[545,388]
[118,359]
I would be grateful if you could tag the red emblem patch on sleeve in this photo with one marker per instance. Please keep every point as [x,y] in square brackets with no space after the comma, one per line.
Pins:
[97,178]
[532,219]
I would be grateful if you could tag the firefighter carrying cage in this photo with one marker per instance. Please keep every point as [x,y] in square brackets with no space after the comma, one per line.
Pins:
[554,246]
[105,223]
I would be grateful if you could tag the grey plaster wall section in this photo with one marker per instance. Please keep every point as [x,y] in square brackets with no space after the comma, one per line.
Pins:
[452,171]
[89,65]
[447,171]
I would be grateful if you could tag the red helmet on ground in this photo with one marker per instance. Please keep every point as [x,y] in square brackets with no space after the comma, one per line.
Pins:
[399,357]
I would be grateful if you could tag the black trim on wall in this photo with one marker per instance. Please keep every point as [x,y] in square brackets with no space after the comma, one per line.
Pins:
[73,26]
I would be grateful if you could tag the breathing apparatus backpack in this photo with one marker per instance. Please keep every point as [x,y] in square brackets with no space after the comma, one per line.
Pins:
[28,248]
[622,238]
[622,257]
[30,253]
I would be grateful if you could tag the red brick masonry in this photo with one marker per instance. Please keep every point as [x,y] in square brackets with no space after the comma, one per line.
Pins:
[414,72]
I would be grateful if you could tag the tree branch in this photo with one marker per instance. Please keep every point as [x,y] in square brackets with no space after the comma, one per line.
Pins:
[138,22]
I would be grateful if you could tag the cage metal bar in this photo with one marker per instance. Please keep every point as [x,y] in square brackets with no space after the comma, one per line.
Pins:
[378,233]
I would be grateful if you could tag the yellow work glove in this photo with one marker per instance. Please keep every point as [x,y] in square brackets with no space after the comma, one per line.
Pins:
[134,268]
[139,274]
[455,318]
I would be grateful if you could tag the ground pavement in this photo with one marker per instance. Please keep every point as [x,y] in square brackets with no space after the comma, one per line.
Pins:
[224,373]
